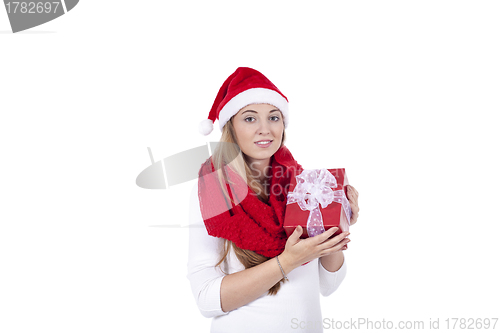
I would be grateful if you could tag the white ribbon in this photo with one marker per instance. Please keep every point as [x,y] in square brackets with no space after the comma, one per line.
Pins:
[314,187]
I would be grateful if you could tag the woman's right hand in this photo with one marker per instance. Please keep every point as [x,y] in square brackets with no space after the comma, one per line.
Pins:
[299,251]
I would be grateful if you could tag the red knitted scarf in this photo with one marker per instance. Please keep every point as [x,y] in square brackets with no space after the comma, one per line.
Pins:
[251,224]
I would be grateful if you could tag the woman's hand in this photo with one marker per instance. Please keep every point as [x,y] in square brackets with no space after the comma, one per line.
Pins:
[299,251]
[352,196]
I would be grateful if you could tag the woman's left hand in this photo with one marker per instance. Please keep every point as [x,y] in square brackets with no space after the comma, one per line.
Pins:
[352,196]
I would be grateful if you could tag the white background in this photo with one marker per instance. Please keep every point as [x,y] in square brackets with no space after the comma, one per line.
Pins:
[403,94]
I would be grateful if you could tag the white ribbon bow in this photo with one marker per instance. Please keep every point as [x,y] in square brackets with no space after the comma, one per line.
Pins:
[315,186]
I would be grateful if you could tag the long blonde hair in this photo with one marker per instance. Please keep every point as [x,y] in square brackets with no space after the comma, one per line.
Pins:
[231,155]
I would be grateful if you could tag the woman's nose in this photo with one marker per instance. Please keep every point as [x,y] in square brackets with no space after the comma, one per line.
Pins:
[264,127]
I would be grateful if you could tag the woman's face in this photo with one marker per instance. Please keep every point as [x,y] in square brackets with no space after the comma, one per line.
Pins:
[258,122]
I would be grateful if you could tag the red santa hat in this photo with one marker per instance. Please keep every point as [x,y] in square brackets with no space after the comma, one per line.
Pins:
[244,87]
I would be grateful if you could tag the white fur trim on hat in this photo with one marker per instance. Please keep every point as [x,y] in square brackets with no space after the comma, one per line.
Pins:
[253,96]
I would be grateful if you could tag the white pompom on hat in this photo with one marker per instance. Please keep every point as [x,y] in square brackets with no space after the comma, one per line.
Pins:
[244,87]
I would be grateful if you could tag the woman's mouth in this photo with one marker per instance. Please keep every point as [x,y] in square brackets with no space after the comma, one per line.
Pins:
[264,143]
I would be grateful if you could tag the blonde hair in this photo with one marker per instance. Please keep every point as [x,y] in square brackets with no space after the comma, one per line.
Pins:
[231,155]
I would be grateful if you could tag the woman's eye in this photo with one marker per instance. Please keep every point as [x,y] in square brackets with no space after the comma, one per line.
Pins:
[277,118]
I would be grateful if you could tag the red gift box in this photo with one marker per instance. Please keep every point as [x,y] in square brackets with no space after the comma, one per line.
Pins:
[317,187]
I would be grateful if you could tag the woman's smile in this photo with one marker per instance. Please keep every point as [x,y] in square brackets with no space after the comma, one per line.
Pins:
[264,143]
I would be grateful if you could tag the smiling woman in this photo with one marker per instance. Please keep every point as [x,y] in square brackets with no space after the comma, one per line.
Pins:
[259,130]
[241,263]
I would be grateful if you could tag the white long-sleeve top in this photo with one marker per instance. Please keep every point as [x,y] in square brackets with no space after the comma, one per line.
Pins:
[296,302]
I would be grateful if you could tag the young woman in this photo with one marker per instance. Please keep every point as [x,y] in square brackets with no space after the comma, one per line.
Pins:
[244,271]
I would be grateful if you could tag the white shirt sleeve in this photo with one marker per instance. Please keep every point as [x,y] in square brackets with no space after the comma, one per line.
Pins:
[204,253]
[330,281]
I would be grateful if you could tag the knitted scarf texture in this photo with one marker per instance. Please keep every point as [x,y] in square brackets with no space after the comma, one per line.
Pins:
[250,223]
